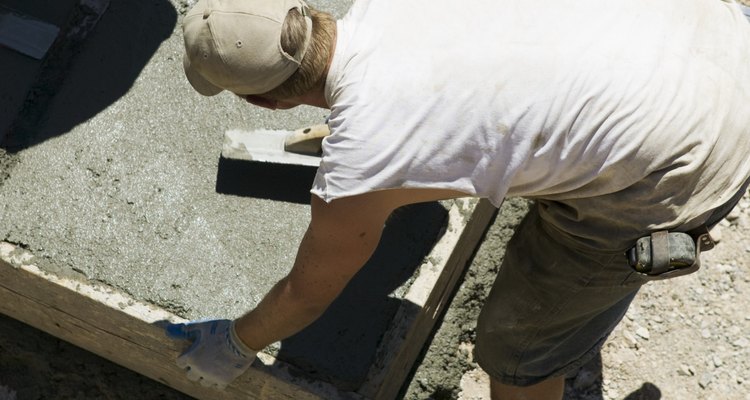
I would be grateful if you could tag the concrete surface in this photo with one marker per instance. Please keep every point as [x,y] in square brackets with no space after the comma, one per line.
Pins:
[118,184]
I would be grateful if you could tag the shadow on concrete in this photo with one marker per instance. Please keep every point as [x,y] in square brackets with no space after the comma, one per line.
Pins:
[340,346]
[100,70]
[289,183]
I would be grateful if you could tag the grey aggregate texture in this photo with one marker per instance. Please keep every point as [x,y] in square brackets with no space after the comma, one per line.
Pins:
[117,184]
[120,185]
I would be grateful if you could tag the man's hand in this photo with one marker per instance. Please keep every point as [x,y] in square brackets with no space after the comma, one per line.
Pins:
[217,356]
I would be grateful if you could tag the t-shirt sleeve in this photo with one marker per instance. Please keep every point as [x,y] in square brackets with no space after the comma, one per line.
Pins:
[373,153]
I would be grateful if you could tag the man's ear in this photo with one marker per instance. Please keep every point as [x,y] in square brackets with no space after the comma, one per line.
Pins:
[260,101]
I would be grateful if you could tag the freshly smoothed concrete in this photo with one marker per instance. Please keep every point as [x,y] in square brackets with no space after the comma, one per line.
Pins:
[119,185]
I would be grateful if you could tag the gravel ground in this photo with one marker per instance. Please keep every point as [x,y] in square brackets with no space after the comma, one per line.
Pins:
[685,338]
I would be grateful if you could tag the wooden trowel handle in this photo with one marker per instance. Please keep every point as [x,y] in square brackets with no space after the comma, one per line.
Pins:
[307,140]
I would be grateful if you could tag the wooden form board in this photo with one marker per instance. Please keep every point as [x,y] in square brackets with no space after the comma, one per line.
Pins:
[130,333]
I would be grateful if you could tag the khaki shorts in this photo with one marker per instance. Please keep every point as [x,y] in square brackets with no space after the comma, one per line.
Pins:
[556,298]
[552,306]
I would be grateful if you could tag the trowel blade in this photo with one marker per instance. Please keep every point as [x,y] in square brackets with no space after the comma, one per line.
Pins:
[265,146]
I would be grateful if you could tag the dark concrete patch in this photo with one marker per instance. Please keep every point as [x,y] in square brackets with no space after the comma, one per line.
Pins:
[289,183]
[19,71]
[122,47]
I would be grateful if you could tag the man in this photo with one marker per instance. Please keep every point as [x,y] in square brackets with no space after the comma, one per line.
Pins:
[621,119]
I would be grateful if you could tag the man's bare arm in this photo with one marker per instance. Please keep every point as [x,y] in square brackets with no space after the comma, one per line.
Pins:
[341,237]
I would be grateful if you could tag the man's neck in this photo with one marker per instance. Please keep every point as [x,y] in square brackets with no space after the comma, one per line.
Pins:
[317,96]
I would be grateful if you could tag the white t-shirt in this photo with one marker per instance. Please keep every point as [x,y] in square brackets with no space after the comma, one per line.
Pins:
[633,105]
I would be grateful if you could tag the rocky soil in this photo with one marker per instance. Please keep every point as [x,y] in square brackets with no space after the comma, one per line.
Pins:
[686,338]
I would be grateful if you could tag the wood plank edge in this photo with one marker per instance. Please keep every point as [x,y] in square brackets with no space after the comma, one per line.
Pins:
[426,298]
[98,318]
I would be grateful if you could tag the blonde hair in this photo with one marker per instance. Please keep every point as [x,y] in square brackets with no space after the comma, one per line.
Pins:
[311,71]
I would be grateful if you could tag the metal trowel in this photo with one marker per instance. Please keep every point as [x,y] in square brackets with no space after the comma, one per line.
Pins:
[300,147]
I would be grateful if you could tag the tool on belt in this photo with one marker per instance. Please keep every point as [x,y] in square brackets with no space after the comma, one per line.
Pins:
[665,254]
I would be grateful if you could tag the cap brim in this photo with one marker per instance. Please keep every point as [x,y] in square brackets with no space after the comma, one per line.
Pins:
[197,81]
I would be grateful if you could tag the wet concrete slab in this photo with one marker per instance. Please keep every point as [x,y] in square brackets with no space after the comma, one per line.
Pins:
[120,182]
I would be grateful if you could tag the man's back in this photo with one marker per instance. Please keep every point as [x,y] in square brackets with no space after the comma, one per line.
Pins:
[562,101]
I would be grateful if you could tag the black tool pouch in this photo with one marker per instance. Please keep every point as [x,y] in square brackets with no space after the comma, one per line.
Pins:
[664,254]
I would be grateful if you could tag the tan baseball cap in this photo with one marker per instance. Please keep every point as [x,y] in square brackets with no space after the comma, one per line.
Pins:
[235,45]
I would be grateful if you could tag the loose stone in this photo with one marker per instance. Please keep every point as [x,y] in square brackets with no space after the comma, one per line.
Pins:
[642,332]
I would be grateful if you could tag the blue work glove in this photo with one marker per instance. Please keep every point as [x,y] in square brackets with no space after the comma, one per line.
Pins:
[217,356]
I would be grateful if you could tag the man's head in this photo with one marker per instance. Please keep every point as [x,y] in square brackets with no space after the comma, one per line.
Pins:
[276,49]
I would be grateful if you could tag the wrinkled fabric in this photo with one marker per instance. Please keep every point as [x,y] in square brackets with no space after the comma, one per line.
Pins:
[627,110]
